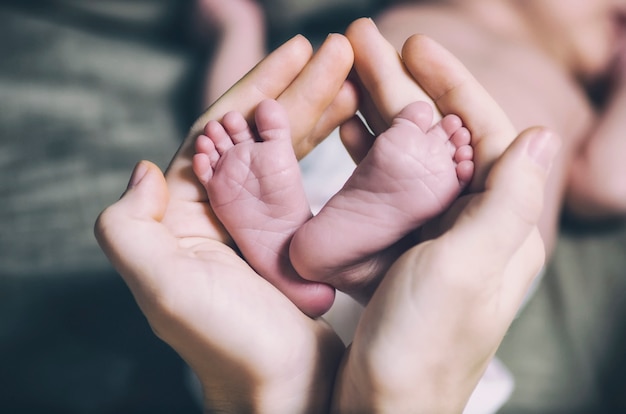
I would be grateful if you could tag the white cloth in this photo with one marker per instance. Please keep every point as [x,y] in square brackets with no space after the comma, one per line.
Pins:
[493,390]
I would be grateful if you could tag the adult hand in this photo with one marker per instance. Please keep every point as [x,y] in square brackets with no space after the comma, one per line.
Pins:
[251,348]
[439,314]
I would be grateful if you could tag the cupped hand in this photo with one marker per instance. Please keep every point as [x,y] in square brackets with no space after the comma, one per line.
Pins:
[251,348]
[440,313]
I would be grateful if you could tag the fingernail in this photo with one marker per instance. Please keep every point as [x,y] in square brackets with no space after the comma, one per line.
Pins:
[543,147]
[138,173]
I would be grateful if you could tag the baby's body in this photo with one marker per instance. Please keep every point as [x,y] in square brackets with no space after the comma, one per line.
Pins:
[534,87]
[412,173]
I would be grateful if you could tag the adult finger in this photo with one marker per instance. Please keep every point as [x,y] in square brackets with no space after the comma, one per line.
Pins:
[129,231]
[495,223]
[267,80]
[356,137]
[456,91]
[320,93]
[381,70]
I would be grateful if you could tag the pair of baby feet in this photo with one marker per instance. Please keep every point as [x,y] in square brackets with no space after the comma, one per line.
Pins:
[412,173]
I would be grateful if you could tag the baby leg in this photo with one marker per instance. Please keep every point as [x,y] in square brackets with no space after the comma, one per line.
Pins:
[411,174]
[255,189]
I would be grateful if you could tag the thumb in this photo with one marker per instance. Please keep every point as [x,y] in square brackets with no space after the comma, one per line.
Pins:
[146,195]
[501,218]
[130,231]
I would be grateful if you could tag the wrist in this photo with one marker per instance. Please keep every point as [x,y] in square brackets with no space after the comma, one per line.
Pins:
[268,398]
[299,385]
[367,385]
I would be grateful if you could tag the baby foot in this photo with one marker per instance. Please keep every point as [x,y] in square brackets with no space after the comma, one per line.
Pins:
[255,189]
[411,174]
